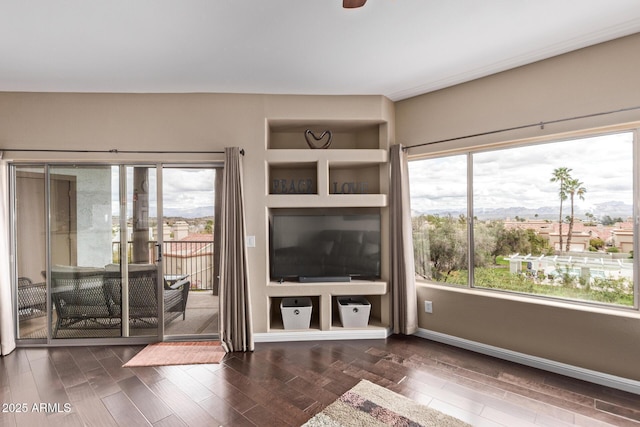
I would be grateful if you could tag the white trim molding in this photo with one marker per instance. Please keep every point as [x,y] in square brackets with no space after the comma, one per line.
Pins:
[595,377]
[352,334]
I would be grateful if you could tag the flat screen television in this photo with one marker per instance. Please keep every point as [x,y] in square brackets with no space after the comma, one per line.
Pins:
[314,247]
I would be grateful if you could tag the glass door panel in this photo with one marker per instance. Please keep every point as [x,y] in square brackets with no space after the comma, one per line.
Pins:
[81,238]
[140,263]
[188,196]
[30,222]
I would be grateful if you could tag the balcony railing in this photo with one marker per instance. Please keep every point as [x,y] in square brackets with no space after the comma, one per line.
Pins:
[191,258]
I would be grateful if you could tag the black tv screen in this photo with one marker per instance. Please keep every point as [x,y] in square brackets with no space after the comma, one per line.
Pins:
[324,245]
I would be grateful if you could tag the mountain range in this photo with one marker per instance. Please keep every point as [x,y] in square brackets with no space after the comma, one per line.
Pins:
[613,209]
[192,212]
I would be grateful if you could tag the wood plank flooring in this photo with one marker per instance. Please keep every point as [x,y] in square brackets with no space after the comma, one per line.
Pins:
[284,384]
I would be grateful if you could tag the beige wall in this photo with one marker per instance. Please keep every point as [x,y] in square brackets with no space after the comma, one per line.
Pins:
[187,122]
[595,339]
[592,80]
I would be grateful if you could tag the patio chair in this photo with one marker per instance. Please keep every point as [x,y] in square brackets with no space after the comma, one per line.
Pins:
[32,299]
[143,306]
[177,290]
[80,299]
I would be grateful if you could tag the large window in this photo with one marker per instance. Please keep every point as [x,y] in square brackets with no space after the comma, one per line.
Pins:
[552,219]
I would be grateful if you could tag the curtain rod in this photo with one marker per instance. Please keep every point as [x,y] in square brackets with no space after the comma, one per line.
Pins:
[113,150]
[541,124]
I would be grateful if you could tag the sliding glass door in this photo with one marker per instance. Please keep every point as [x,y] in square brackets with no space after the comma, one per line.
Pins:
[94,261]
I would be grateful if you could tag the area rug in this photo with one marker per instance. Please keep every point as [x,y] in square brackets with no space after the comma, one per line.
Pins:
[368,404]
[178,353]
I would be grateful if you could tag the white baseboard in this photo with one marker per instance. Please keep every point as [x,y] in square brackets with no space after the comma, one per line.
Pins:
[347,334]
[596,377]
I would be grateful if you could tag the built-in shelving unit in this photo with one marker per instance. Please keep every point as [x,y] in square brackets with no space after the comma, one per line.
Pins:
[325,178]
[351,173]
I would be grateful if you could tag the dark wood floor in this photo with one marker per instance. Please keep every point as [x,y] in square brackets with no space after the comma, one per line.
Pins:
[284,384]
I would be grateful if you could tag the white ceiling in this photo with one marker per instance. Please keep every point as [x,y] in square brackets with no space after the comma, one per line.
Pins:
[397,48]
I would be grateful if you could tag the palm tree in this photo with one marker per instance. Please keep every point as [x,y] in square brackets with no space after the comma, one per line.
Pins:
[561,175]
[573,187]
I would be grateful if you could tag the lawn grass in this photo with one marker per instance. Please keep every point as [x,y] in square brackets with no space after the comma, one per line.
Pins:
[499,277]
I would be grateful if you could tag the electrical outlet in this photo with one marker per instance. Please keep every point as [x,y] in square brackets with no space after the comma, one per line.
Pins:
[428,307]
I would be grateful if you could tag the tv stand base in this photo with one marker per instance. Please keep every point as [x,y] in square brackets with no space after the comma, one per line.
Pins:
[317,279]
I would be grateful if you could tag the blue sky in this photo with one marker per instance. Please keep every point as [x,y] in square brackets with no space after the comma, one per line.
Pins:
[521,176]
[183,189]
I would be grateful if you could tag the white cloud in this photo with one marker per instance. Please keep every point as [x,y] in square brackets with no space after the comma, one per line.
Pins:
[439,183]
[520,177]
[188,188]
[183,189]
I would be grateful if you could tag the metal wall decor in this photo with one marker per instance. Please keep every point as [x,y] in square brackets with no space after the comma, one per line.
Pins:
[292,186]
[350,188]
[312,138]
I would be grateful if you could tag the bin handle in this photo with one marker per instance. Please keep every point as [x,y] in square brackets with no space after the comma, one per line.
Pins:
[296,311]
[355,310]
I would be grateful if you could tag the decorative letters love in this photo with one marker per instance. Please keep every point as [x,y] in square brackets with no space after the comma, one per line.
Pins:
[350,188]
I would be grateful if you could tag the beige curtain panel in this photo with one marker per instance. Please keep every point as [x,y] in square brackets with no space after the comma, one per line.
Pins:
[236,330]
[403,287]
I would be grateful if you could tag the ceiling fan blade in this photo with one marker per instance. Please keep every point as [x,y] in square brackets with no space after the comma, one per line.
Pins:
[351,4]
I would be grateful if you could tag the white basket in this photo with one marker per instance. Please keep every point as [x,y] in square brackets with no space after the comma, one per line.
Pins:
[296,312]
[354,311]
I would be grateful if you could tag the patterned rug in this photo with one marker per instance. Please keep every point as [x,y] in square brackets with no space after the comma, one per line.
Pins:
[368,404]
[178,353]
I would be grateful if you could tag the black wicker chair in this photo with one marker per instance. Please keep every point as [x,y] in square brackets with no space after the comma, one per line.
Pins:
[32,299]
[143,306]
[80,299]
[91,298]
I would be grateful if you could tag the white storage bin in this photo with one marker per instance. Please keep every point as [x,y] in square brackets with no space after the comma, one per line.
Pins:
[354,311]
[296,312]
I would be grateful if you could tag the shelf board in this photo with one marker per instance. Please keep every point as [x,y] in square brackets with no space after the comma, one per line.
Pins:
[373,324]
[343,157]
[336,125]
[354,287]
[326,201]
[278,325]
[280,335]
